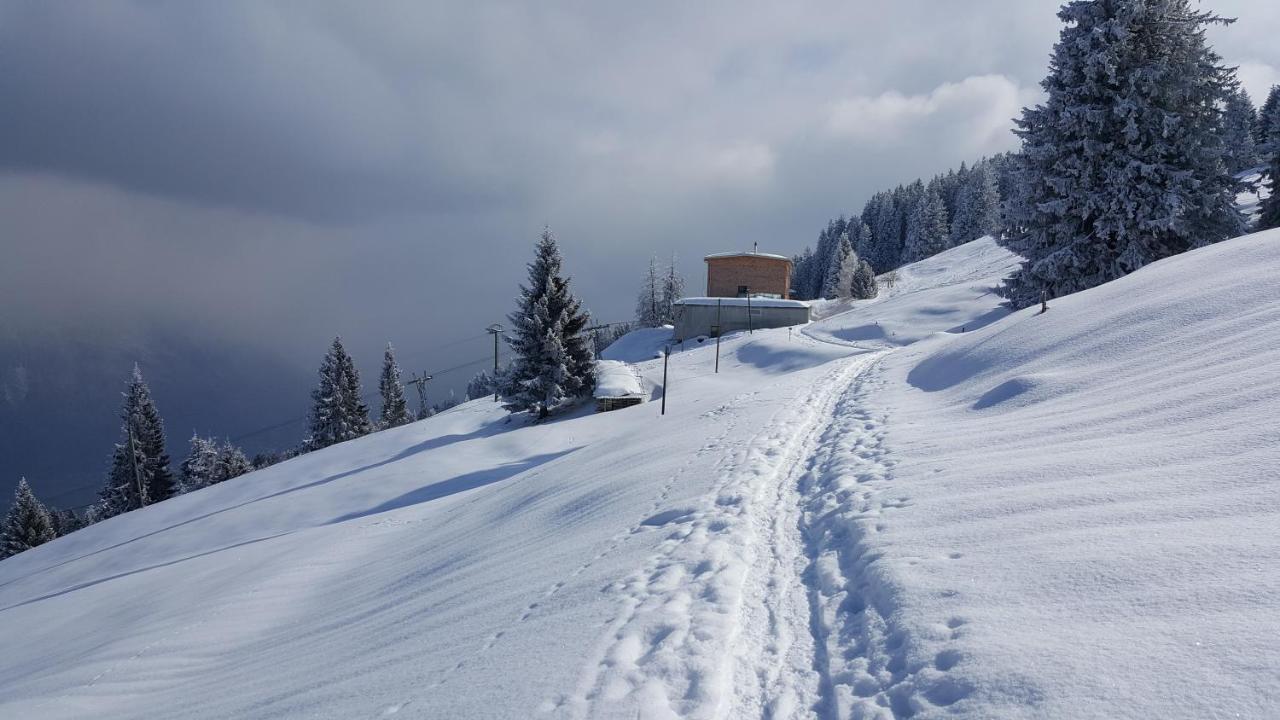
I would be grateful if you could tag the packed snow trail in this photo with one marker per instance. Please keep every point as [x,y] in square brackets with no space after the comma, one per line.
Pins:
[716,623]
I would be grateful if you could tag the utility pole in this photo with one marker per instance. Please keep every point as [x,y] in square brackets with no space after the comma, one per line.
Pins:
[666,355]
[719,331]
[424,410]
[495,330]
[133,461]
[750,328]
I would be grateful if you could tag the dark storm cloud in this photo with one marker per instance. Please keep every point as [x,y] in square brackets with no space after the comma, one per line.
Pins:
[287,170]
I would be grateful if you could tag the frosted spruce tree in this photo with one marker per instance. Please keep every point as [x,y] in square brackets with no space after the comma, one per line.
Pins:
[928,232]
[27,524]
[672,291]
[481,385]
[649,299]
[209,462]
[838,273]
[232,462]
[1239,121]
[1267,118]
[395,409]
[139,474]
[197,470]
[1271,206]
[1123,164]
[977,206]
[553,364]
[862,286]
[338,413]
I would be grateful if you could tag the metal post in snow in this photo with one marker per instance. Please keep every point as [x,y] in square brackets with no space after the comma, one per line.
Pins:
[750,329]
[495,330]
[666,355]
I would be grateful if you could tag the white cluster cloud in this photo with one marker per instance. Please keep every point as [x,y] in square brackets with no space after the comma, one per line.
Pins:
[975,112]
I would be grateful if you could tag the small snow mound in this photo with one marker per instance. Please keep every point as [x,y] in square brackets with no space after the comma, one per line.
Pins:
[639,345]
[615,379]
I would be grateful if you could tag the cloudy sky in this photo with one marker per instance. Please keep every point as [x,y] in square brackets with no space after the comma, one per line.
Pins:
[274,173]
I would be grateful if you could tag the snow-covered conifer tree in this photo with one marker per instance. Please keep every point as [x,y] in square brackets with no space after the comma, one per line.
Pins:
[27,524]
[139,474]
[553,364]
[977,207]
[649,299]
[836,272]
[927,229]
[1123,164]
[1267,118]
[338,413]
[1239,121]
[231,463]
[149,433]
[672,292]
[480,385]
[862,286]
[197,470]
[395,410]
[1271,206]
[65,522]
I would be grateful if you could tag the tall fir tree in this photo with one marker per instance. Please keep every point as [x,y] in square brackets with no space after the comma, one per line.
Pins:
[338,413]
[1271,206]
[649,299]
[1123,164]
[977,207]
[927,228]
[27,524]
[553,364]
[862,286]
[672,292]
[139,474]
[395,409]
[1239,122]
[1268,116]
[837,274]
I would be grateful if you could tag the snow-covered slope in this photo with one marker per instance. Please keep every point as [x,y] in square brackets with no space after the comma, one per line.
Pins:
[1091,520]
[951,291]
[1072,514]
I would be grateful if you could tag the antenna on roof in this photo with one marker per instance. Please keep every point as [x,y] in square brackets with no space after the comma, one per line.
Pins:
[755,247]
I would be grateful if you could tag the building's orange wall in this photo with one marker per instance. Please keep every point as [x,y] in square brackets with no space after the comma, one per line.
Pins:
[761,274]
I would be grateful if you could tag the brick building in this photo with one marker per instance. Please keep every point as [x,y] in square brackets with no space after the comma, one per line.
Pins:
[737,274]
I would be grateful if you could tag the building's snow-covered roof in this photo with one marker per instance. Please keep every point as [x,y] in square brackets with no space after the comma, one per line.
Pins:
[742,302]
[615,379]
[767,256]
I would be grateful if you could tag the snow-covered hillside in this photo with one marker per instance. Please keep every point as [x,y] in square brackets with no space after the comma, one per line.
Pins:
[919,506]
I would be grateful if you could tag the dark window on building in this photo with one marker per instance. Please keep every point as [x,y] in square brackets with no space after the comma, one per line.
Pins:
[742,291]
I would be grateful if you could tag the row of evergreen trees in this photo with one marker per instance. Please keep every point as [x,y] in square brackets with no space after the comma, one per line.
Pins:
[1135,154]
[140,474]
[554,367]
[900,226]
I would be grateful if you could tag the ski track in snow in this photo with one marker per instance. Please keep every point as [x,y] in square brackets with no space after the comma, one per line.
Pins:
[718,623]
[862,654]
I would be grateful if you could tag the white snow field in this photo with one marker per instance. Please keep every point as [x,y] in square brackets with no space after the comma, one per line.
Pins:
[1074,514]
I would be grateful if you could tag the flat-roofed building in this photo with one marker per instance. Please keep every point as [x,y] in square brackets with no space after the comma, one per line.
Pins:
[736,274]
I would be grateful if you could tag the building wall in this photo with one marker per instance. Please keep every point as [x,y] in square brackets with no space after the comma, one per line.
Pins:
[761,274]
[697,320]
